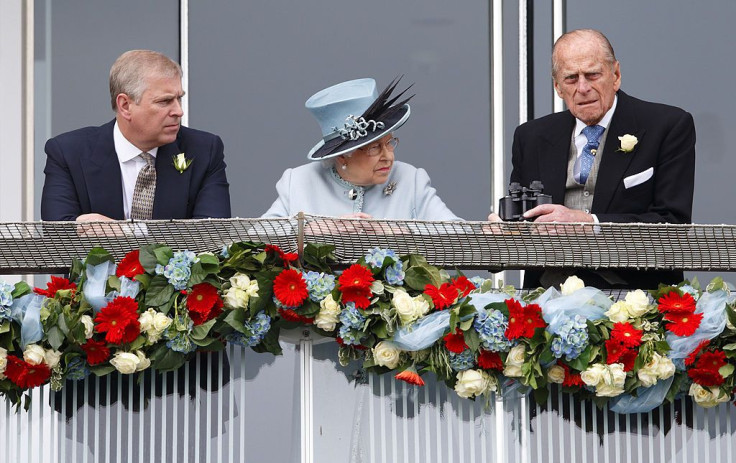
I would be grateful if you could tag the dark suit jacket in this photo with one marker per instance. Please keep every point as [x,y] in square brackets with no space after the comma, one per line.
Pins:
[666,135]
[83,176]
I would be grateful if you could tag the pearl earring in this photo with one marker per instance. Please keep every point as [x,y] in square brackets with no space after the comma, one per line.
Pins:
[344,167]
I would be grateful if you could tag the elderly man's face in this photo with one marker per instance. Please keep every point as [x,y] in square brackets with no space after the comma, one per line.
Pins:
[584,80]
[155,120]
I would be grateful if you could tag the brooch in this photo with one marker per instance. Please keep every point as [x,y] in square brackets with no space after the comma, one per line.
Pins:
[389,189]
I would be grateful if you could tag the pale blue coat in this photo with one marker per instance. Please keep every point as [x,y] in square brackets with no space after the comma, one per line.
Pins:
[314,189]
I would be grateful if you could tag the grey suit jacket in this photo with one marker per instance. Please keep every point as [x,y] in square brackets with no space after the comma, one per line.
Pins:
[311,188]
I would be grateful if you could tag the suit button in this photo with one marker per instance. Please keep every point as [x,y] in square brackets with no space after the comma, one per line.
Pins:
[586,193]
[587,211]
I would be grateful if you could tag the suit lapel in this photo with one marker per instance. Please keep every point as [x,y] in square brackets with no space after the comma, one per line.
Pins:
[172,187]
[554,156]
[102,175]
[615,162]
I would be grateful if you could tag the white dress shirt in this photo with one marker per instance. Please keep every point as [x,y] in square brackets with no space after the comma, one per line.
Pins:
[130,165]
[581,140]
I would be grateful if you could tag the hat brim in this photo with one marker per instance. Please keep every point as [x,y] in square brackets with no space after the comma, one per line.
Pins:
[338,146]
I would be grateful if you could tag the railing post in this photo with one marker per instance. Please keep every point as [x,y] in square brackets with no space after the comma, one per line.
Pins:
[300,234]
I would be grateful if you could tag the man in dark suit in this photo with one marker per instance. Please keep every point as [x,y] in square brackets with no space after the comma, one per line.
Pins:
[609,158]
[128,167]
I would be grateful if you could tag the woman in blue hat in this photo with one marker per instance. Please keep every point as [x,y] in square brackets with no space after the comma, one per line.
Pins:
[358,176]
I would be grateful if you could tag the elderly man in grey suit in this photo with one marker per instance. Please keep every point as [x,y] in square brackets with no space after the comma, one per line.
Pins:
[609,158]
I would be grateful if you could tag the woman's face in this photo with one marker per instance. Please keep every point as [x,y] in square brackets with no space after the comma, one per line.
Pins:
[369,165]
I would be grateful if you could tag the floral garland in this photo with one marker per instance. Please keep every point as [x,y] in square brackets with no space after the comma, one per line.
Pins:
[395,314]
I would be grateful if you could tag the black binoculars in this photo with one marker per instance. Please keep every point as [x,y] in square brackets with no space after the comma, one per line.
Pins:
[521,199]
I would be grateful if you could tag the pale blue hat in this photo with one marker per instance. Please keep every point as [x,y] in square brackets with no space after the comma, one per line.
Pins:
[340,111]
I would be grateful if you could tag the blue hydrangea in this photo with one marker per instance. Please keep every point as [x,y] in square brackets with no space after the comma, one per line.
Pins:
[477,281]
[279,305]
[319,285]
[178,335]
[224,252]
[376,256]
[690,290]
[258,327]
[352,322]
[6,299]
[76,369]
[462,361]
[179,269]
[395,274]
[491,325]
[571,338]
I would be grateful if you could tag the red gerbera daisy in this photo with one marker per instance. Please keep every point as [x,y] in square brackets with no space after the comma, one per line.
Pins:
[463,285]
[614,351]
[674,303]
[489,360]
[340,342]
[626,334]
[571,379]
[26,375]
[711,360]
[523,320]
[683,324]
[628,359]
[119,319]
[355,286]
[130,266]
[203,303]
[360,297]
[97,351]
[442,297]
[291,316]
[455,342]
[411,376]
[287,257]
[290,288]
[56,284]
[694,354]
[705,377]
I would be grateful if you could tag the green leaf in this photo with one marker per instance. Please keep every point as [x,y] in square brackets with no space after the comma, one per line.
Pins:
[726,370]
[163,254]
[159,291]
[137,343]
[380,329]
[581,363]
[198,274]
[676,386]
[546,357]
[541,395]
[147,258]
[472,340]
[270,342]
[55,337]
[418,277]
[21,289]
[167,360]
[102,370]
[716,284]
[319,256]
[199,332]
[97,256]
[236,319]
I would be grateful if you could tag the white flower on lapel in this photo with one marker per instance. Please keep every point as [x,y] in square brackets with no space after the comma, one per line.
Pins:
[628,142]
[181,163]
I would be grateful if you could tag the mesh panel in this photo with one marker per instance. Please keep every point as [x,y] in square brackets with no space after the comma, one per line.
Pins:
[50,247]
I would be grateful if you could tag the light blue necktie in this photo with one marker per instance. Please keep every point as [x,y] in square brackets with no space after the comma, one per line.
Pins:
[593,134]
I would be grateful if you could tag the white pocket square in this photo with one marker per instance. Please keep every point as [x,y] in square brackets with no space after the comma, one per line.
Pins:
[638,179]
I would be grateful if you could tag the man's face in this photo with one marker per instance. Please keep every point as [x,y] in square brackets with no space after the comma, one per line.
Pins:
[155,120]
[585,81]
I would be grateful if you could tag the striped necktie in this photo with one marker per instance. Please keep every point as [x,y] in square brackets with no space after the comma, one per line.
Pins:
[145,189]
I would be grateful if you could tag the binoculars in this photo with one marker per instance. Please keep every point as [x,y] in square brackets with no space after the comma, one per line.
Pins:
[521,199]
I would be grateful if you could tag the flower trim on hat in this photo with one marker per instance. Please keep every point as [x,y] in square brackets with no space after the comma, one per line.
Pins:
[355,129]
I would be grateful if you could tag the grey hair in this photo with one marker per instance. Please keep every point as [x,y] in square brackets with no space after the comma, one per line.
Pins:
[329,163]
[608,54]
[129,72]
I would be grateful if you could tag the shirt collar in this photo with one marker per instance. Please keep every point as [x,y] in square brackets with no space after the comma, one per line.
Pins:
[580,125]
[124,148]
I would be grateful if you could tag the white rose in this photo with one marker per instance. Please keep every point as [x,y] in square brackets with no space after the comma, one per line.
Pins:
[161,322]
[404,305]
[571,285]
[125,362]
[52,357]
[34,354]
[628,142]
[647,375]
[236,298]
[730,325]
[619,312]
[329,312]
[638,303]
[665,368]
[253,289]
[421,306]
[514,361]
[143,361]
[146,320]
[612,381]
[593,375]
[386,354]
[3,362]
[556,374]
[240,281]
[89,325]
[471,383]
[605,390]
[708,397]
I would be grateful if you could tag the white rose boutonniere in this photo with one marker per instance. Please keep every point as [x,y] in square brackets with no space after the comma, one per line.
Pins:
[628,142]
[181,163]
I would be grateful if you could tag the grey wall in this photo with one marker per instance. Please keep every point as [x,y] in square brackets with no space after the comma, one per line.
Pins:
[254,64]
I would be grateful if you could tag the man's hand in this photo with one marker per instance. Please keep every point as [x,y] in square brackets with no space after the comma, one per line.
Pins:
[557,213]
[97,229]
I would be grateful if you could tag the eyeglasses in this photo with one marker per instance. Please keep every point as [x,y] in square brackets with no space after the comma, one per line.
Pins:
[376,148]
